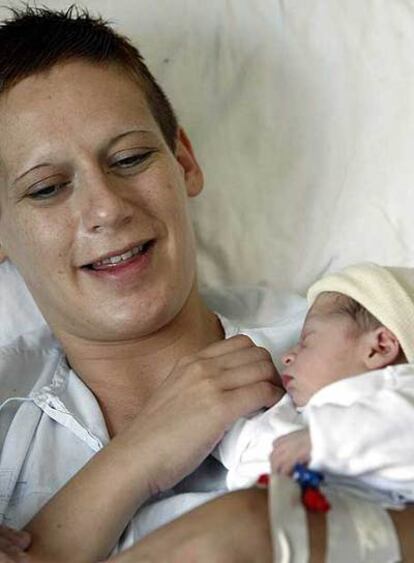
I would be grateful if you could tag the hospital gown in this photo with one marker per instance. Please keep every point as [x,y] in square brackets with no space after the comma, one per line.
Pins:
[51,425]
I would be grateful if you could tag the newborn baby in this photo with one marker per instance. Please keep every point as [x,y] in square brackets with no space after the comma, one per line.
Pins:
[349,406]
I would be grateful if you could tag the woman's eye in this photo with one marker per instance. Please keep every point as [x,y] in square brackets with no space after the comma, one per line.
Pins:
[131,161]
[47,192]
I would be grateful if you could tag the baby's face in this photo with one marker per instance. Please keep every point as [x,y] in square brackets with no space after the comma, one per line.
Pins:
[330,349]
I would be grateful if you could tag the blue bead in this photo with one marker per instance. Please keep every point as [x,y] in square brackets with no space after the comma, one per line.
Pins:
[307,477]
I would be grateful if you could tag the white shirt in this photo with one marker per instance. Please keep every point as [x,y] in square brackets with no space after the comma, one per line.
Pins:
[51,425]
[361,427]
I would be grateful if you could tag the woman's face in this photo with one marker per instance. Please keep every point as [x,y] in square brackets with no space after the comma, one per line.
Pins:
[85,174]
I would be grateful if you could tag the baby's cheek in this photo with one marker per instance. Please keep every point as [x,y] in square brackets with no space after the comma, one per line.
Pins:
[278,379]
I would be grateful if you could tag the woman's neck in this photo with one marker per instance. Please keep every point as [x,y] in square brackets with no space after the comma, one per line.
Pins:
[123,375]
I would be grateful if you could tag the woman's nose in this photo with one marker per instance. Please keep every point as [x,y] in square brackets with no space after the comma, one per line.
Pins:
[103,205]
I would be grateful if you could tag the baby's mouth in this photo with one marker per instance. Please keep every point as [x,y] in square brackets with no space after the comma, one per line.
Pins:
[286,379]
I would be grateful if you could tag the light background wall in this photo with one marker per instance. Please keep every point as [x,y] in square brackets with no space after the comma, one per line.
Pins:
[302,116]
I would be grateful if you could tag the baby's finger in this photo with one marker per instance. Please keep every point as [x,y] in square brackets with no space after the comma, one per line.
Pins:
[282,442]
[278,467]
[283,466]
[274,461]
[278,442]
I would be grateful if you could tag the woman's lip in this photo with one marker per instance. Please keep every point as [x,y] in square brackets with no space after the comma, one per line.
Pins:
[124,271]
[286,379]
[118,252]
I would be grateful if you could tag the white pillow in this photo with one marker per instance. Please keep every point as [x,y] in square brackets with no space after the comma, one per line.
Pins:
[18,312]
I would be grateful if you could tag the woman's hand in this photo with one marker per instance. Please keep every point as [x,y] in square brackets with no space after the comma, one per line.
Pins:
[204,394]
[229,529]
[176,429]
[13,544]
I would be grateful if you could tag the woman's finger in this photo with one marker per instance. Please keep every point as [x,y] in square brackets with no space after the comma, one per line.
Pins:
[233,344]
[248,374]
[6,544]
[229,370]
[21,538]
[241,356]
[250,398]
[11,554]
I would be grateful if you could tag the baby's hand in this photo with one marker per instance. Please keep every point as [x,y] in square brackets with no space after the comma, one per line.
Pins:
[290,449]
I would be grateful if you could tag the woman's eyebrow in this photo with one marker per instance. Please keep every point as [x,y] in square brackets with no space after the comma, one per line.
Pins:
[115,139]
[104,148]
[30,170]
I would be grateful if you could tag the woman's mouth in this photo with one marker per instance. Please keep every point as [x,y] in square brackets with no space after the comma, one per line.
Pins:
[125,258]
[123,267]
[113,263]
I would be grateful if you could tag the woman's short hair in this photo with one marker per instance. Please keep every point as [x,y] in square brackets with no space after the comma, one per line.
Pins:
[35,39]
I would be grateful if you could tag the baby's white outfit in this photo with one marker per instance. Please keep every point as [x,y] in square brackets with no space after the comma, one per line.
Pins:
[361,428]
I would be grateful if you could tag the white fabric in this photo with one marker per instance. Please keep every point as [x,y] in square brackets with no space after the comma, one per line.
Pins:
[51,425]
[360,427]
[359,531]
[290,538]
[302,116]
[18,312]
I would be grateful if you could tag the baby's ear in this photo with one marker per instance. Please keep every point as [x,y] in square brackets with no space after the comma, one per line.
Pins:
[383,348]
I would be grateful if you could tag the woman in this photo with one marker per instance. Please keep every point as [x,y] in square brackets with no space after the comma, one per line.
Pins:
[141,385]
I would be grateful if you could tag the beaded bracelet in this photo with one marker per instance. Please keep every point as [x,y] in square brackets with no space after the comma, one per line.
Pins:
[309,481]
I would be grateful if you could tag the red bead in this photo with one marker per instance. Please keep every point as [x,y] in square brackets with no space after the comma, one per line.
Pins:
[315,501]
[263,480]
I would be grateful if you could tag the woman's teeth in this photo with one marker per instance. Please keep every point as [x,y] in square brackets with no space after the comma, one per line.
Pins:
[113,260]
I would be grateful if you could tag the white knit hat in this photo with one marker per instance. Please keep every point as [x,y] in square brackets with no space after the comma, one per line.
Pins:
[387,293]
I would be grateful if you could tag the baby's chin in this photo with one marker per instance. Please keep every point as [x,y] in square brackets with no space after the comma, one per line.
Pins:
[298,399]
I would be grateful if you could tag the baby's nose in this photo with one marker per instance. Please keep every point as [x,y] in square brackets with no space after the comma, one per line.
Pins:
[288,357]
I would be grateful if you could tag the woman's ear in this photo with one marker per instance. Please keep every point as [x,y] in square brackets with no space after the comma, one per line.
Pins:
[3,255]
[184,154]
[382,348]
